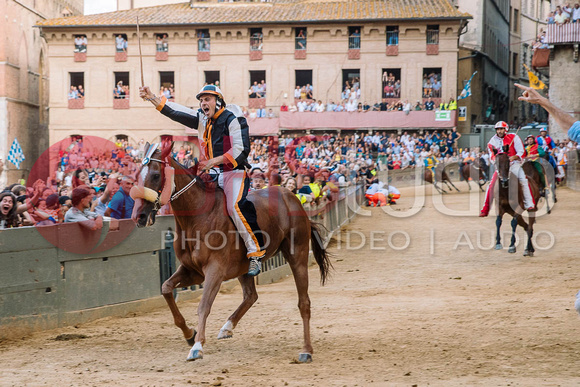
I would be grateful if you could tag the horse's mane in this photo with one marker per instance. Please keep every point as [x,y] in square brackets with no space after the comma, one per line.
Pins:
[203,179]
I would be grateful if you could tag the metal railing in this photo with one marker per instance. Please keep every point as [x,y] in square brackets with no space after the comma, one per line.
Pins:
[563,33]
[392,38]
[354,42]
[432,36]
[300,43]
[256,42]
[203,45]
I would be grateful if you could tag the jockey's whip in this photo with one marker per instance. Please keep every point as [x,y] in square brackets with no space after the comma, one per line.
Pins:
[140,55]
[516,133]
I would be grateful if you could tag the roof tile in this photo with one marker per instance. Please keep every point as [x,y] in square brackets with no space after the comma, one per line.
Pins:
[289,11]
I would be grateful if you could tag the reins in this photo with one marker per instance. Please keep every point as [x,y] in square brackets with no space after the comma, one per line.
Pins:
[167,193]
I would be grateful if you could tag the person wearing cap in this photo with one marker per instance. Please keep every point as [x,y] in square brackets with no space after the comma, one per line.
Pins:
[225,140]
[516,153]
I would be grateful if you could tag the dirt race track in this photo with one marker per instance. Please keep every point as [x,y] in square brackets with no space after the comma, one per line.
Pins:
[437,312]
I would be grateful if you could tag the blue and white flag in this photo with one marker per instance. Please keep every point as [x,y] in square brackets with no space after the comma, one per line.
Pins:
[466,92]
[15,155]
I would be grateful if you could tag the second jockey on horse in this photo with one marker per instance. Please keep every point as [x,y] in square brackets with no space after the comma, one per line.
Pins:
[533,153]
[225,141]
[431,163]
[516,153]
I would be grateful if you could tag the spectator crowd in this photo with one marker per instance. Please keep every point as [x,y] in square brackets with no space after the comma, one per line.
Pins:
[90,185]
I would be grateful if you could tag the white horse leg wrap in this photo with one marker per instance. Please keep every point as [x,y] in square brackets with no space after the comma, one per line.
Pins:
[228,326]
[197,346]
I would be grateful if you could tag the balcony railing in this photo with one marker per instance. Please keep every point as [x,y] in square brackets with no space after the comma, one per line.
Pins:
[300,43]
[432,42]
[432,36]
[121,103]
[76,103]
[563,33]
[393,38]
[354,42]
[256,42]
[203,45]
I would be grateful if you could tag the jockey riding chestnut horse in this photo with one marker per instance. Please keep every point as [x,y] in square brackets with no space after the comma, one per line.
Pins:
[513,146]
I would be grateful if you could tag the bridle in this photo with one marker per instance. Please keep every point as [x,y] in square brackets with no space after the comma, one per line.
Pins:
[503,180]
[167,193]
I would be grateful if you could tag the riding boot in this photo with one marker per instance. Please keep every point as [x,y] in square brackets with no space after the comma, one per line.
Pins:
[528,198]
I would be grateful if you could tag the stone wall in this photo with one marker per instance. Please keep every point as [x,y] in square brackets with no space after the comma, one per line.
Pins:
[564,90]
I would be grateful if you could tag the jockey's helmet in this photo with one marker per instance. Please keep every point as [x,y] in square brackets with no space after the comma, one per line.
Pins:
[532,137]
[543,129]
[502,124]
[214,90]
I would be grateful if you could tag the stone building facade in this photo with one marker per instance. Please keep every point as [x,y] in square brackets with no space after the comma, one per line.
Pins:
[24,79]
[484,47]
[241,43]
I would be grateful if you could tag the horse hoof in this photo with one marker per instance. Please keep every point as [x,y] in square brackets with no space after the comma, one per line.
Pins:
[512,249]
[526,253]
[498,246]
[225,334]
[191,340]
[195,354]
[305,358]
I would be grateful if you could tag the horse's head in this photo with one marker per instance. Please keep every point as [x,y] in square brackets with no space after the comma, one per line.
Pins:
[154,185]
[502,164]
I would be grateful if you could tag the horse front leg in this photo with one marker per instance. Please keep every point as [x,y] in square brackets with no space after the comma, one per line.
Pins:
[481,186]
[498,221]
[211,288]
[453,185]
[250,297]
[440,190]
[529,251]
[181,278]
[514,224]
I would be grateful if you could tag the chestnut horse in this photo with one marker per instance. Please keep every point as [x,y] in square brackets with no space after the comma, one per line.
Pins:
[510,199]
[442,177]
[474,171]
[211,251]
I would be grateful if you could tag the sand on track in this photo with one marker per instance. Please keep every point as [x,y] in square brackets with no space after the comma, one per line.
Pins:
[445,310]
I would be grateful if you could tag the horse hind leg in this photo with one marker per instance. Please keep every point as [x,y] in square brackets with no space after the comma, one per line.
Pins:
[514,224]
[250,297]
[181,278]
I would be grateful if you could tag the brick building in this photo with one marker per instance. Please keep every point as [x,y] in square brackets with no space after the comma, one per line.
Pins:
[24,74]
[241,43]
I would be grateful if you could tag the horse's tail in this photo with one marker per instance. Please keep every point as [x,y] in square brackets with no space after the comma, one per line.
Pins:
[321,255]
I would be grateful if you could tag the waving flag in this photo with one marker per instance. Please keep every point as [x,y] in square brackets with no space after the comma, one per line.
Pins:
[535,82]
[466,92]
[15,155]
